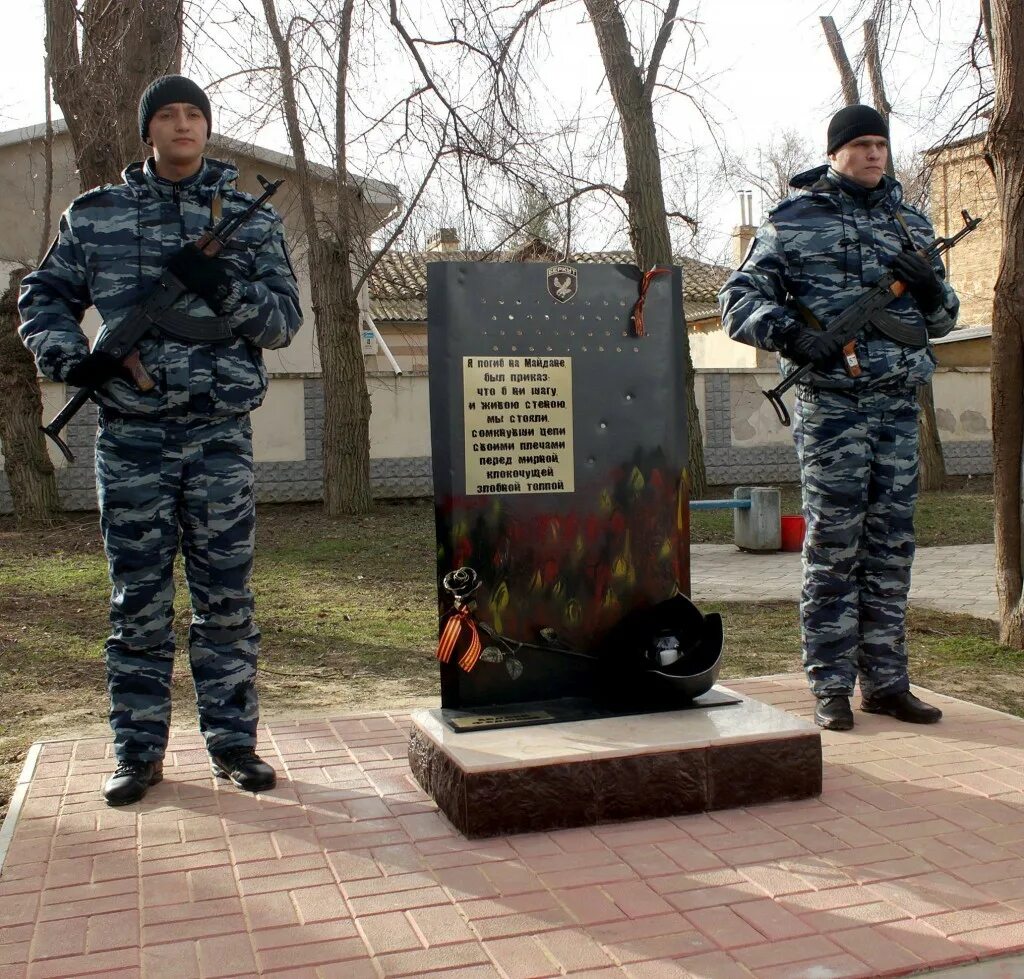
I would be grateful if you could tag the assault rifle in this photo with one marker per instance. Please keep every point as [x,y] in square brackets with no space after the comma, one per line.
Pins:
[155,313]
[868,307]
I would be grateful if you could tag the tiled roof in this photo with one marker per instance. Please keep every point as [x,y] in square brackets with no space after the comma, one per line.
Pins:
[398,285]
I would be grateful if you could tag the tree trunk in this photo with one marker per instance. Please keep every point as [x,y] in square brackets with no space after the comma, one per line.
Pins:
[1007,160]
[645,196]
[27,465]
[346,435]
[44,238]
[932,462]
[102,55]
[851,94]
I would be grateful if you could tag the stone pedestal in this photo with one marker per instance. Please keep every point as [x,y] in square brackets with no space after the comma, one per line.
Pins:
[640,766]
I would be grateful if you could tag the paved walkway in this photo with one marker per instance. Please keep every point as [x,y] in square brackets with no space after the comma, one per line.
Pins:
[952,579]
[912,859]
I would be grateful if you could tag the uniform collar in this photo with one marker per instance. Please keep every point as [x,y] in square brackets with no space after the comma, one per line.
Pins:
[865,196]
[210,179]
[824,180]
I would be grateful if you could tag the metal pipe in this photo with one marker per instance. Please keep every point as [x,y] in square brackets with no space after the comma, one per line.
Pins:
[387,350]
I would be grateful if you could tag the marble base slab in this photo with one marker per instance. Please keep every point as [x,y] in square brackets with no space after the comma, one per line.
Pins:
[640,766]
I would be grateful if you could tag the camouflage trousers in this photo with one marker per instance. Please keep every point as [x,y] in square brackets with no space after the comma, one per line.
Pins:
[161,484]
[858,471]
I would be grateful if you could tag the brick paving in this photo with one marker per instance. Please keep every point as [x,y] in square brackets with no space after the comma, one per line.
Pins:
[912,858]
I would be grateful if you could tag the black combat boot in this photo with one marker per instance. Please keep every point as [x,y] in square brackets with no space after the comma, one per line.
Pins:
[903,706]
[834,713]
[130,781]
[245,768]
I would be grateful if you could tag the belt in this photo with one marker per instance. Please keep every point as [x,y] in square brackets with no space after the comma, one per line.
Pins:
[892,389]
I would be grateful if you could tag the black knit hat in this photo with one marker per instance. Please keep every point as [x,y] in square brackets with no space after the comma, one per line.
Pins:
[166,90]
[854,121]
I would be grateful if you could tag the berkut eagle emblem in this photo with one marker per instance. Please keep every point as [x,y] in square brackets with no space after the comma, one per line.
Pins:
[561,282]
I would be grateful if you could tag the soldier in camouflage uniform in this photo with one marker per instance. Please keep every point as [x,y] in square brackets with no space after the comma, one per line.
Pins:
[174,463]
[841,228]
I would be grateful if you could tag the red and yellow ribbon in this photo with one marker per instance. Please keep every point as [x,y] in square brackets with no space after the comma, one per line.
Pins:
[459,621]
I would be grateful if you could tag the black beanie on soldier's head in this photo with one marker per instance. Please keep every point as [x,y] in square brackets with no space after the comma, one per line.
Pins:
[167,90]
[854,121]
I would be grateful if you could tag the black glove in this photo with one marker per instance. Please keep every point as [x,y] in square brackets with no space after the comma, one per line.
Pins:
[807,346]
[94,370]
[205,276]
[920,278]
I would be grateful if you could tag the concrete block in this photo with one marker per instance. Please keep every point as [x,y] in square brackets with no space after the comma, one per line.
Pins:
[759,528]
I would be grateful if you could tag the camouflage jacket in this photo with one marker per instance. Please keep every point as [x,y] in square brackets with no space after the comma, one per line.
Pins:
[113,244]
[818,249]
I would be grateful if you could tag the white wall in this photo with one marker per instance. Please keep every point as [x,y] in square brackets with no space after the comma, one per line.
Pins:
[714,350]
[753,420]
[400,422]
[279,424]
[963,404]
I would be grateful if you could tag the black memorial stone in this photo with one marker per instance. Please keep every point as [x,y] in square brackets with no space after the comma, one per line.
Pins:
[559,456]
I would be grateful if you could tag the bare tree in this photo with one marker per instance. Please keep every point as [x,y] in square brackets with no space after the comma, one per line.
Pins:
[633,88]
[932,460]
[332,237]
[44,238]
[314,53]
[914,173]
[636,77]
[537,218]
[770,167]
[1005,30]
[101,56]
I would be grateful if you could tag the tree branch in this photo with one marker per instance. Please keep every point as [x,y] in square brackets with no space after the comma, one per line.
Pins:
[659,48]
[393,237]
[44,242]
[291,115]
[692,222]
